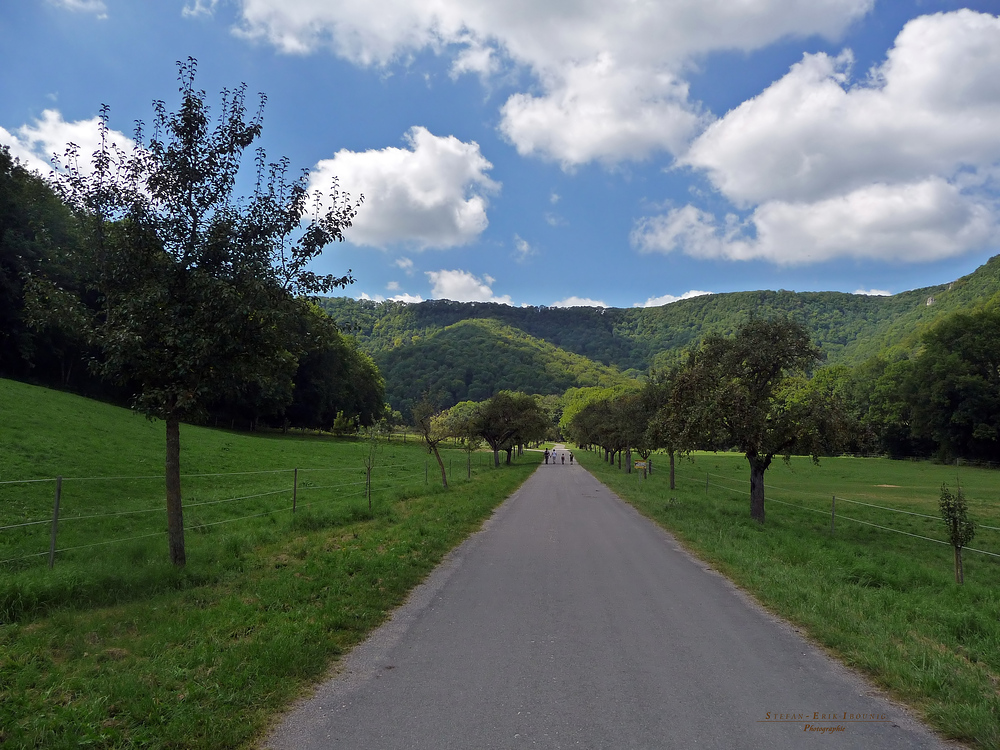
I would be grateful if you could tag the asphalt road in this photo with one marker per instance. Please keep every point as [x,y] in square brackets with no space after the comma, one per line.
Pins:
[570,621]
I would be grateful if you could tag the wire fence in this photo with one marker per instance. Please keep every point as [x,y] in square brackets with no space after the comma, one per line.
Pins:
[54,516]
[922,522]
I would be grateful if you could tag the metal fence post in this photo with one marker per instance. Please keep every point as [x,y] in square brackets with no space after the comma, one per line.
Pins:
[55,523]
[295,488]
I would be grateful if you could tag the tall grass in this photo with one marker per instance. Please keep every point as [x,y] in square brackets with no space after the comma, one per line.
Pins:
[884,602]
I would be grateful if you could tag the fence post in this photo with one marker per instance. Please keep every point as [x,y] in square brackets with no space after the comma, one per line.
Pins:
[55,523]
[833,512]
[295,488]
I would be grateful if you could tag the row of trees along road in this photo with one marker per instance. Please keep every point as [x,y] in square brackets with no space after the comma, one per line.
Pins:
[506,421]
[749,392]
[195,289]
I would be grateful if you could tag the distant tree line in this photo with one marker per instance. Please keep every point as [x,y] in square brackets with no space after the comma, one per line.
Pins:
[761,392]
[507,422]
[43,238]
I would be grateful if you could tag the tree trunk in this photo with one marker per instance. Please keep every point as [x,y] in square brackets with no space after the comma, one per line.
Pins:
[628,460]
[444,474]
[175,513]
[959,574]
[496,458]
[673,486]
[510,450]
[758,466]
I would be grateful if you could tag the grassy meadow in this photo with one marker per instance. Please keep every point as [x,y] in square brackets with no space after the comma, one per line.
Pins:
[884,602]
[116,648]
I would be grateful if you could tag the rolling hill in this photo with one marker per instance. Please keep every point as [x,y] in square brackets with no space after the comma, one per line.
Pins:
[473,359]
[468,350]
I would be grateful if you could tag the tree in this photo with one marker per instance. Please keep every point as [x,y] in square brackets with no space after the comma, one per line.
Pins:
[460,421]
[38,235]
[953,386]
[196,288]
[426,419]
[961,530]
[374,443]
[739,392]
[509,419]
[665,413]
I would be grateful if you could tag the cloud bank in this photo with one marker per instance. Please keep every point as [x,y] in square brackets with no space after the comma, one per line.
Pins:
[609,74]
[900,166]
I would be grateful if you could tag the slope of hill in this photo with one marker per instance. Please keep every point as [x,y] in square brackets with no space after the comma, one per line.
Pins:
[849,327]
[473,359]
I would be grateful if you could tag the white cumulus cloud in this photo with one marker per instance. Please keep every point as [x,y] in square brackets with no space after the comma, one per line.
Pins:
[97,7]
[898,166]
[579,302]
[430,195]
[873,292]
[462,286]
[666,299]
[601,111]
[35,144]
[916,222]
[522,249]
[609,73]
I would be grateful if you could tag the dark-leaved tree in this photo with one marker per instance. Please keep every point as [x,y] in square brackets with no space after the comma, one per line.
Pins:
[742,392]
[196,288]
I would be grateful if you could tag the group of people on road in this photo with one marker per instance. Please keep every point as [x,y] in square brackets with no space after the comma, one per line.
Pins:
[562,456]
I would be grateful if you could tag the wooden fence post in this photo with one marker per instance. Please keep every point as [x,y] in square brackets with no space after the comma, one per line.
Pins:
[55,523]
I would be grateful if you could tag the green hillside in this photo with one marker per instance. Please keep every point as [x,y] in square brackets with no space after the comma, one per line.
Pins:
[848,327]
[473,359]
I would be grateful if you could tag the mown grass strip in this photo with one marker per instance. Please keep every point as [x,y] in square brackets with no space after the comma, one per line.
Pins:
[884,603]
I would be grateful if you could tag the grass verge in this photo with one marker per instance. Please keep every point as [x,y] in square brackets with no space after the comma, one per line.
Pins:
[883,602]
[115,648]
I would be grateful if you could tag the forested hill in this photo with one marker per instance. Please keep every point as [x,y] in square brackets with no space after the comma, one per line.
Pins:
[473,359]
[850,328]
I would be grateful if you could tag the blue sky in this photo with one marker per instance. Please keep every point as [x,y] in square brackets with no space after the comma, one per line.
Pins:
[551,152]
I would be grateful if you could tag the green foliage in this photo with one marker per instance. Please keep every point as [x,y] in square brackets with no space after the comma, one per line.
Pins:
[39,236]
[509,419]
[849,328]
[741,392]
[194,289]
[955,512]
[953,387]
[474,359]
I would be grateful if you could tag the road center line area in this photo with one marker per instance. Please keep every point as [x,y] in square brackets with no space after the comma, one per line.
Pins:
[571,621]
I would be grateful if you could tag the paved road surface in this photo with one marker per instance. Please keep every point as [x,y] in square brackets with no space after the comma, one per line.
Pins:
[572,622]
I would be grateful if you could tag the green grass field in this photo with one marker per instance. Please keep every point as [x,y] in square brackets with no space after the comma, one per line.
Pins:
[884,602]
[116,648]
